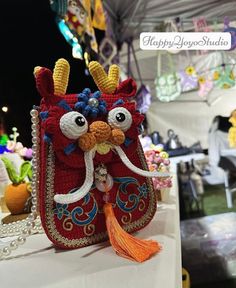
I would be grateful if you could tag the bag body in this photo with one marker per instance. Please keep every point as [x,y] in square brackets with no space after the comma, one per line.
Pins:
[83,223]
[67,161]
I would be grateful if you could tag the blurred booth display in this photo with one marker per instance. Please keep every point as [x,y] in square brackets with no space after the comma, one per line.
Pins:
[173,141]
[172,145]
[15,178]
[13,146]
[205,86]
[189,79]
[208,247]
[143,98]
[17,193]
[3,143]
[168,84]
[76,20]
[191,189]
[232,130]
[158,160]
[231,30]
[201,25]
[223,75]
[213,70]
[228,164]
[3,137]
[173,25]
[218,141]
[4,181]
[108,50]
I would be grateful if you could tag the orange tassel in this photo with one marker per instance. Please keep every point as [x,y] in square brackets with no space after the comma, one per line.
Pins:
[125,244]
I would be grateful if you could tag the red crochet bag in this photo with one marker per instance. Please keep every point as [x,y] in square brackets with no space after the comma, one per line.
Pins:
[93,181]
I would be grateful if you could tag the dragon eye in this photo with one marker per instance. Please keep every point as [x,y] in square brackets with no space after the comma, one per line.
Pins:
[73,124]
[80,121]
[120,118]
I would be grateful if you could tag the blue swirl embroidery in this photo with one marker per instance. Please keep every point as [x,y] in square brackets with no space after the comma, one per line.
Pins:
[143,191]
[130,205]
[133,199]
[61,210]
[78,211]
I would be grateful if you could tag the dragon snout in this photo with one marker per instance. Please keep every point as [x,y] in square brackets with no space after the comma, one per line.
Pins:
[102,135]
[101,130]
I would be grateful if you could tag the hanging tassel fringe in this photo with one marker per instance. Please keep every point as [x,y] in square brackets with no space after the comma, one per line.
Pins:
[124,244]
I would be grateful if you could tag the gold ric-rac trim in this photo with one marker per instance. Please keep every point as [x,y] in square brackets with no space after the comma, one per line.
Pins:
[141,222]
[142,205]
[67,224]
[126,218]
[90,239]
[89,229]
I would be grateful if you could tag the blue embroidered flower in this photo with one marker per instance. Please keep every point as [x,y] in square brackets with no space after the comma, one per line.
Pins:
[61,210]
[143,190]
[90,104]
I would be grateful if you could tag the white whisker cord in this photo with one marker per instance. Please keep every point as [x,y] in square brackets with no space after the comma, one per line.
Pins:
[137,170]
[85,188]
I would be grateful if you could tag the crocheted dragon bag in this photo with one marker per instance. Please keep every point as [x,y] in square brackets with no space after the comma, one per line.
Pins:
[94,182]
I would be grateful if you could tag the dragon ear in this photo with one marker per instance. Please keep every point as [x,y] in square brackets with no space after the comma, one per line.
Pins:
[53,84]
[44,82]
[127,88]
[107,83]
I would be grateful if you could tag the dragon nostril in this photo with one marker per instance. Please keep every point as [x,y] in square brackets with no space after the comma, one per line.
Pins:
[117,137]
[101,130]
[87,141]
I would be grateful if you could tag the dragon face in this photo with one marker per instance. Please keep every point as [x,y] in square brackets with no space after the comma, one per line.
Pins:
[88,128]
[87,121]
[73,131]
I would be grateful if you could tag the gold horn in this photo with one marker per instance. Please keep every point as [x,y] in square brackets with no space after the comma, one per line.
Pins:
[61,76]
[36,70]
[106,83]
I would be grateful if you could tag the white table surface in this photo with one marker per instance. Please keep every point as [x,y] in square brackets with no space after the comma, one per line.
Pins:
[38,264]
[186,158]
[228,152]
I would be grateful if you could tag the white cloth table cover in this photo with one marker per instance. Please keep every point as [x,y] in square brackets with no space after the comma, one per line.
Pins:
[39,264]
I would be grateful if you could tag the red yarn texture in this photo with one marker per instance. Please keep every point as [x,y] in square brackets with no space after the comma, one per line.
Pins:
[70,169]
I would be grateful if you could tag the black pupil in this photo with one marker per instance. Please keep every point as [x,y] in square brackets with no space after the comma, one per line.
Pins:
[80,121]
[120,117]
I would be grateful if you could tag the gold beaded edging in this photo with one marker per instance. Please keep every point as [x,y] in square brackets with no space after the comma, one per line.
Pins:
[92,239]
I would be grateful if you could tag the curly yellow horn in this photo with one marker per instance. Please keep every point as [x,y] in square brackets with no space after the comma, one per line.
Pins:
[36,70]
[61,76]
[106,83]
